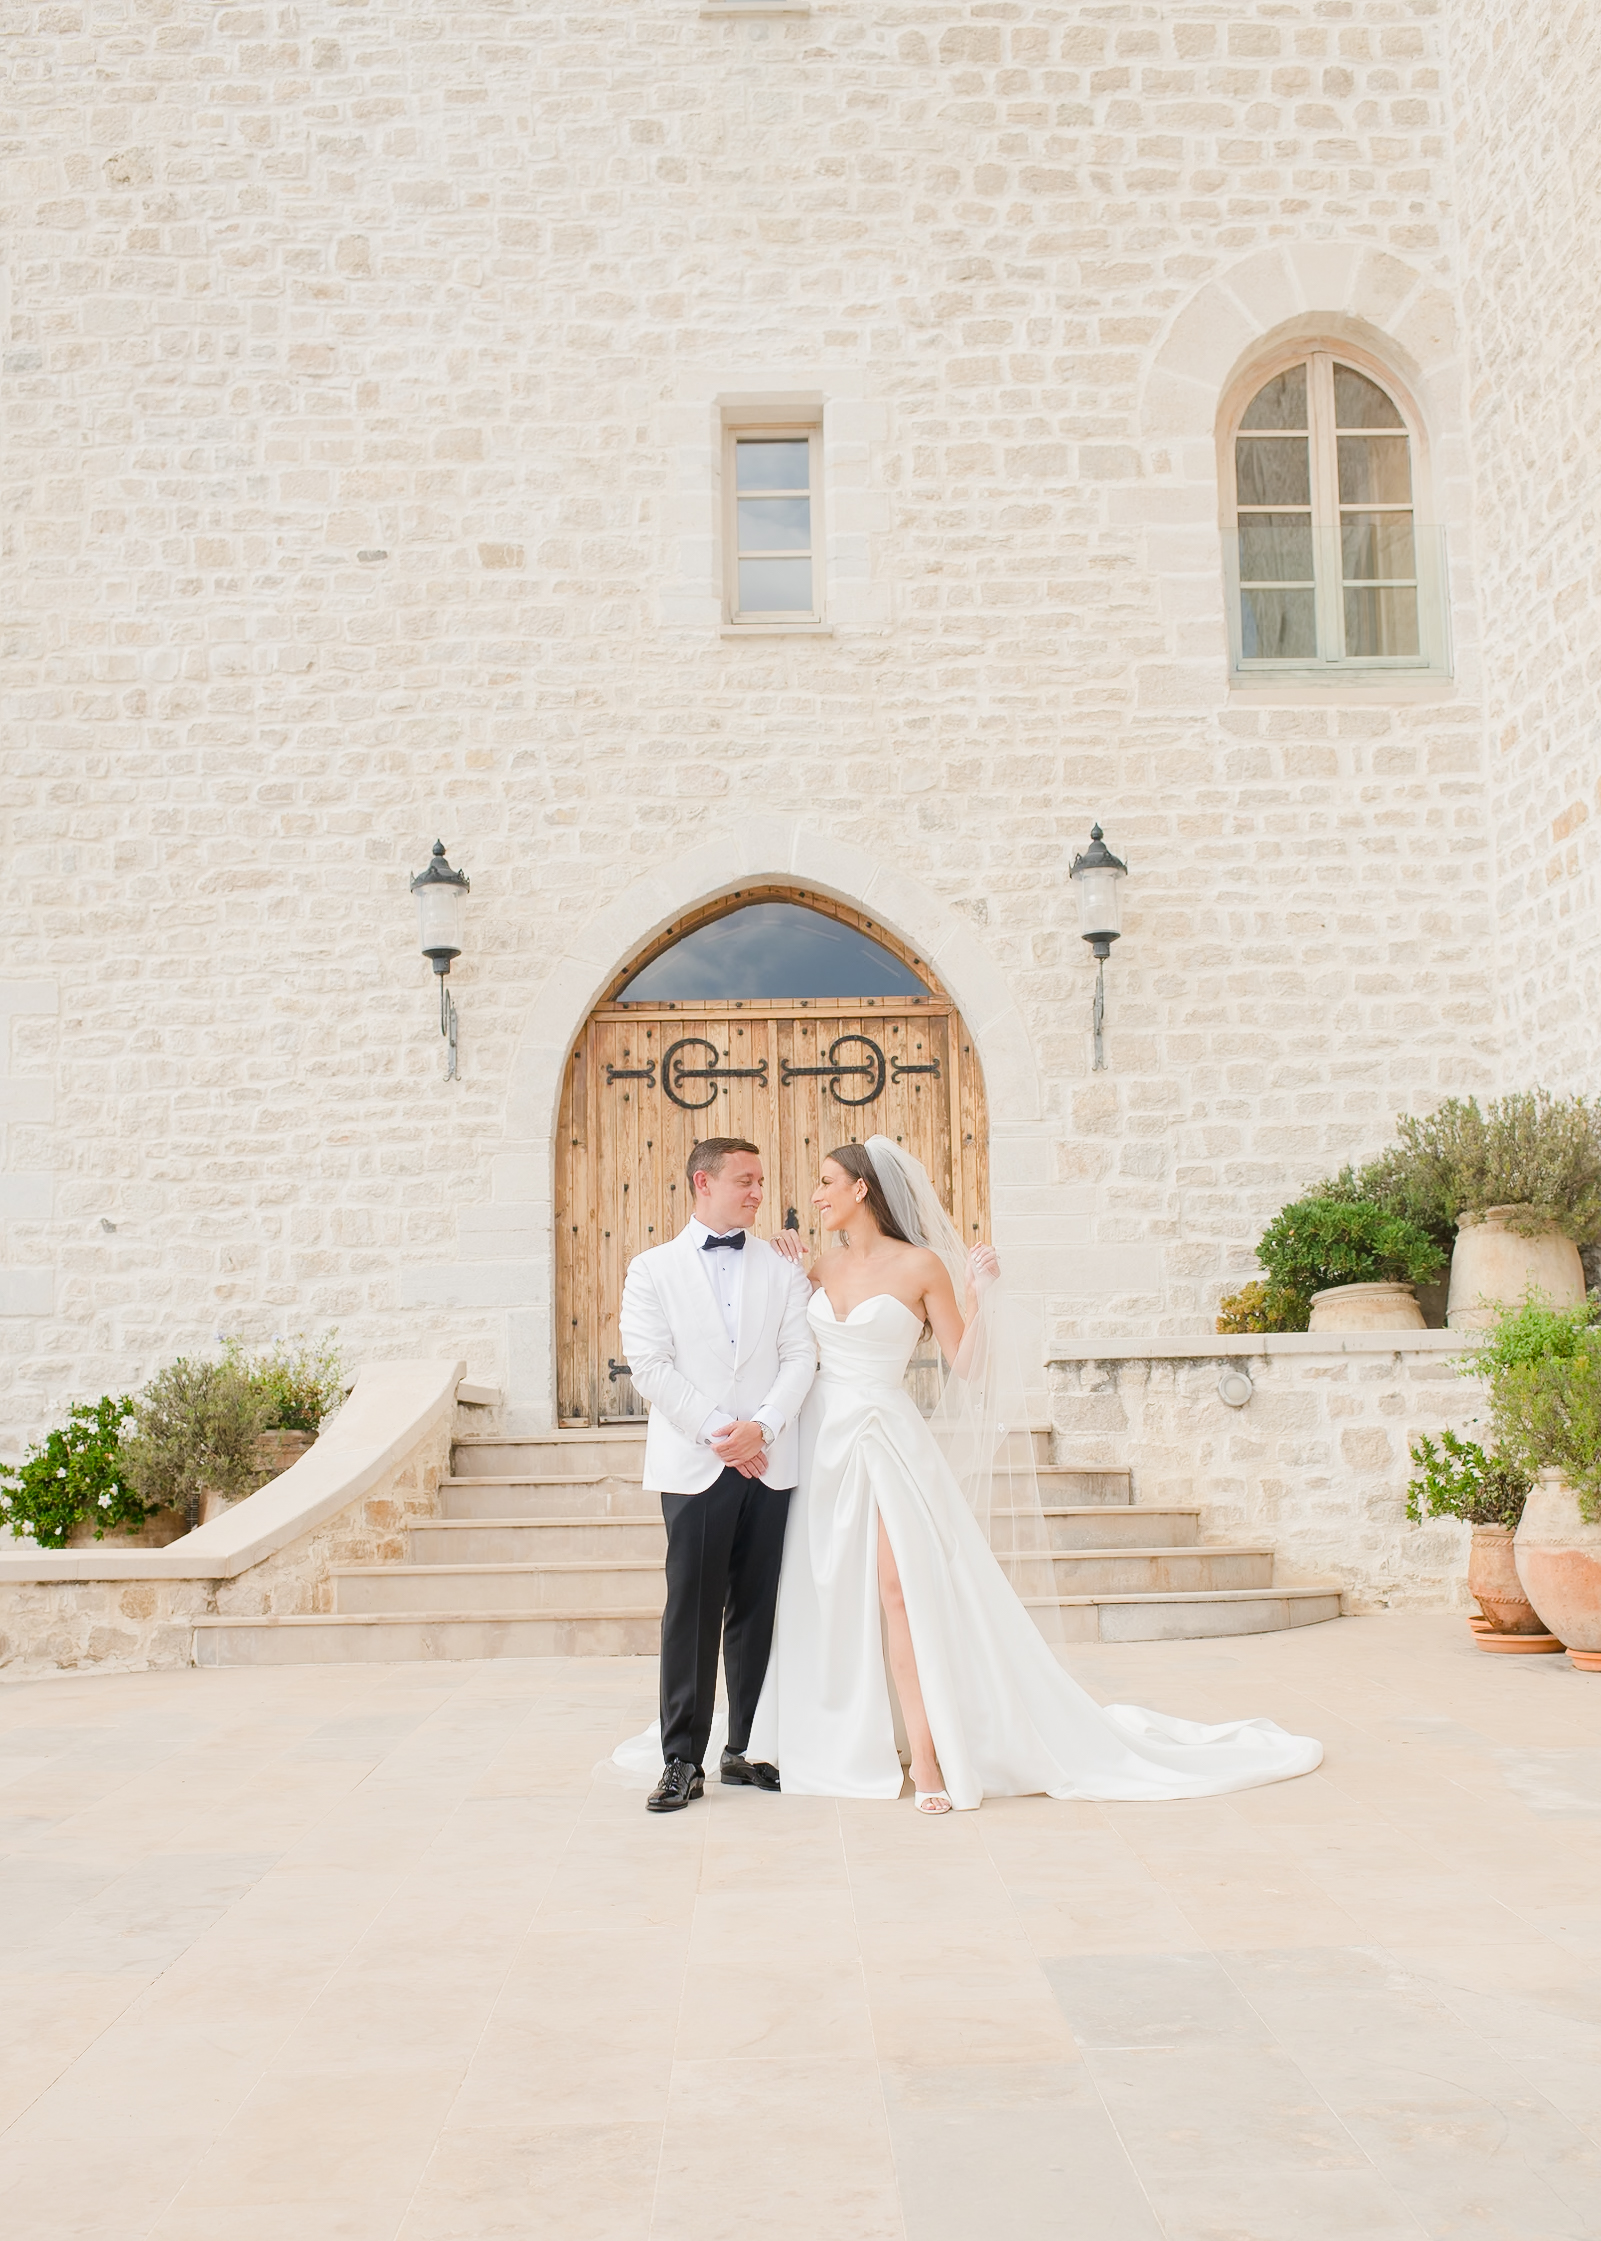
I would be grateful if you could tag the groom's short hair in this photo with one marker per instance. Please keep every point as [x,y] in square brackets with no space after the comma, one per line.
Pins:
[707,1158]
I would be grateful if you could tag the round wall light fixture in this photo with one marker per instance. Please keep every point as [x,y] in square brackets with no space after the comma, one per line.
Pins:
[1234,1387]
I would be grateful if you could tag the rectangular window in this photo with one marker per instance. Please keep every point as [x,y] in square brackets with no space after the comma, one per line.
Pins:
[774,566]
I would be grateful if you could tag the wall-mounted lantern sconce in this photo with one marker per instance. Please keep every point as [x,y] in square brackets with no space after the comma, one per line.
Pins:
[439,892]
[1097,872]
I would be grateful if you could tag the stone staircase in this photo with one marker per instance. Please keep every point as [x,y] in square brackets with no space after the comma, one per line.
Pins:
[550,1547]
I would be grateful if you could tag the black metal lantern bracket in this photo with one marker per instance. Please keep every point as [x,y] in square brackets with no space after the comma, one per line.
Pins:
[439,891]
[1099,870]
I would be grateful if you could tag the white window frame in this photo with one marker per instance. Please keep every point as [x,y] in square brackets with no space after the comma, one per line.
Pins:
[1433,658]
[781,618]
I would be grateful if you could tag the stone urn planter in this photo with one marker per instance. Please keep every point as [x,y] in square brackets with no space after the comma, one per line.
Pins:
[1493,1581]
[1366,1307]
[1494,1267]
[1559,1562]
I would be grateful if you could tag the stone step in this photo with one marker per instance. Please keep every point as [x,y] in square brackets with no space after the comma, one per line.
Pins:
[1160,1571]
[373,1638]
[539,1540]
[606,1581]
[470,1493]
[1178,1617]
[535,1498]
[1129,1525]
[621,1584]
[551,1454]
[376,1638]
[1066,1483]
[621,1452]
[475,1531]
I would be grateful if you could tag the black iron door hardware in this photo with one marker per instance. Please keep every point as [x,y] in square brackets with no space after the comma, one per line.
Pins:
[836,1070]
[898,1069]
[791,1218]
[645,1073]
[675,1073]
[615,1370]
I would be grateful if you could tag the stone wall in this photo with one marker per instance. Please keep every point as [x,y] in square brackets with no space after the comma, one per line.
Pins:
[1527,131]
[362,368]
[1314,1465]
[138,1624]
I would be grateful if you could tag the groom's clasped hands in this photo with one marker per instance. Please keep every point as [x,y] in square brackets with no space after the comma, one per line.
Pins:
[742,1447]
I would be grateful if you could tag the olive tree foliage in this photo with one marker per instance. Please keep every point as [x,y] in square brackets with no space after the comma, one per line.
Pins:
[195,1429]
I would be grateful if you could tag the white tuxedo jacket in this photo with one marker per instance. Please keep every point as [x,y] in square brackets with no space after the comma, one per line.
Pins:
[680,1359]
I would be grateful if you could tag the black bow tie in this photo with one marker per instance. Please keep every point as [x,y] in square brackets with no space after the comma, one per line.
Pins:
[735,1241]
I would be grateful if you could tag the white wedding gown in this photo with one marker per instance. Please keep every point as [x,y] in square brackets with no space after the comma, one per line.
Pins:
[1007,1720]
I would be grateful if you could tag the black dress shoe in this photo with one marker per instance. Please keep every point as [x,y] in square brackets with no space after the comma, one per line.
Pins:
[679,1783]
[754,1774]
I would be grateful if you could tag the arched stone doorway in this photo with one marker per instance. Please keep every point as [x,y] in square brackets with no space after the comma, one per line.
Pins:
[777,1014]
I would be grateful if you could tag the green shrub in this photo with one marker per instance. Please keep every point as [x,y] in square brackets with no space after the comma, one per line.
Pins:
[1460,1480]
[78,1471]
[196,1427]
[1321,1242]
[1531,1150]
[1262,1307]
[301,1381]
[1543,1369]
[1394,1182]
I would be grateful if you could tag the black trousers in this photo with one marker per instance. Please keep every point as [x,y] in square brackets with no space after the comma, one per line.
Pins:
[724,1548]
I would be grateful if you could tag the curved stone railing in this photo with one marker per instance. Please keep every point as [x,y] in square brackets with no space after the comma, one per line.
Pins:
[349,1499]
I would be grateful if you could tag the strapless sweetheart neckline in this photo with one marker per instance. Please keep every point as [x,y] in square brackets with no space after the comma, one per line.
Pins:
[871,1301]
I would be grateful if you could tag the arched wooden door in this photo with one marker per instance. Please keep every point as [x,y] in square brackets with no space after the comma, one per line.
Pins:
[653,1073]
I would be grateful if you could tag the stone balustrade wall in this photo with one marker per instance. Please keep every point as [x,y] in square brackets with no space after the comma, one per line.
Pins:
[136,1623]
[1315,1464]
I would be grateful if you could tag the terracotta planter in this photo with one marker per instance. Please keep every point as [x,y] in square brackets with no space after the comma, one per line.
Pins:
[1493,1267]
[1559,1562]
[1366,1307]
[1493,1580]
[159,1527]
[275,1452]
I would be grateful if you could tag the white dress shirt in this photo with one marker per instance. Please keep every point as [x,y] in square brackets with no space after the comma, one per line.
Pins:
[725,1272]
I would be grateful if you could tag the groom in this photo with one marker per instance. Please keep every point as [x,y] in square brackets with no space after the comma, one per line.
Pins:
[715,1332]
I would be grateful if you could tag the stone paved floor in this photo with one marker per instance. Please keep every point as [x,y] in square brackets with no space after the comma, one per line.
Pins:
[377,1955]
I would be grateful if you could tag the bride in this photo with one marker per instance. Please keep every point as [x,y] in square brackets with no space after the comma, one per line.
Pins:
[896,1515]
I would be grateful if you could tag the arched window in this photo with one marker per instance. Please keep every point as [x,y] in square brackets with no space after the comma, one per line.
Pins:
[1329,568]
[776,950]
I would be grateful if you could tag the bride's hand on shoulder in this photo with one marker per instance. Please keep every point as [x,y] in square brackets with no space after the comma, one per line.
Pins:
[983,1267]
[789,1245]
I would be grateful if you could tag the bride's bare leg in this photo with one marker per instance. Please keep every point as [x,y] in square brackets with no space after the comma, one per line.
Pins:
[903,1664]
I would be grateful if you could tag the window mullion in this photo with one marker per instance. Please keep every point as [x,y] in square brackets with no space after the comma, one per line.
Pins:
[1326,561]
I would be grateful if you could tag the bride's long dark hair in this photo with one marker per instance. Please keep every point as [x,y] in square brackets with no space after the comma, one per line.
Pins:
[857,1163]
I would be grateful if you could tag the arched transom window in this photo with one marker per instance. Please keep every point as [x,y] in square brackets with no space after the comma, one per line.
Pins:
[1329,566]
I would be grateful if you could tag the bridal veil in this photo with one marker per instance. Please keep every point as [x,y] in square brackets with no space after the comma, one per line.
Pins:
[981,1420]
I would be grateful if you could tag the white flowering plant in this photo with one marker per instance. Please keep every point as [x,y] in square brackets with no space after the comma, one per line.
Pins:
[74,1473]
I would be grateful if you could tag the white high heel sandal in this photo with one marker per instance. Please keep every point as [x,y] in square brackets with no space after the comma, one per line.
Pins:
[932,1802]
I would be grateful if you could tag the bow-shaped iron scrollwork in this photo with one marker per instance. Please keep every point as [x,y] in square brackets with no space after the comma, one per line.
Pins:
[837,1069]
[675,1073]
